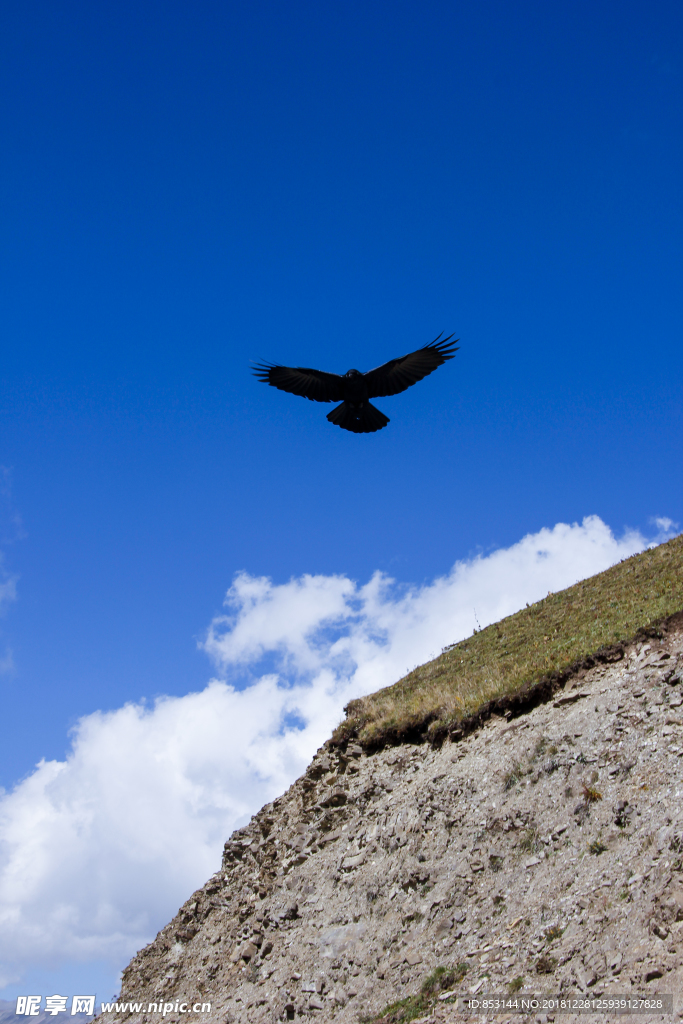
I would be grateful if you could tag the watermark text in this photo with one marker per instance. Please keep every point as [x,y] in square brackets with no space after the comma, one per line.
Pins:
[30,1006]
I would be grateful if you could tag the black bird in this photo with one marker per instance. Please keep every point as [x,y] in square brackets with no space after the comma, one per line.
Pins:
[355,389]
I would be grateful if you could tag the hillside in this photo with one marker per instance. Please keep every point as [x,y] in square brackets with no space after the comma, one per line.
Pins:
[547,641]
[535,845]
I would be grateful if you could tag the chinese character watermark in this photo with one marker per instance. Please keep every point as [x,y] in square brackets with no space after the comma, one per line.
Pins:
[82,1004]
[55,1004]
[29,1006]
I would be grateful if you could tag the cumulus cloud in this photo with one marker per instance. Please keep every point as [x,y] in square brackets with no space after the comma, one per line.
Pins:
[98,851]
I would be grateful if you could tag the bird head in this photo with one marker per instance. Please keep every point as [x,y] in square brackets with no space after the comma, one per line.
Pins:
[353,373]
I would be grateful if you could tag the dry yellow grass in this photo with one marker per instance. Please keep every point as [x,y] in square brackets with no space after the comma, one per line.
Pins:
[524,648]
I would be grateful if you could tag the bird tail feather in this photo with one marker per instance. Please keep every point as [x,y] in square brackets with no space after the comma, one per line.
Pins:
[360,420]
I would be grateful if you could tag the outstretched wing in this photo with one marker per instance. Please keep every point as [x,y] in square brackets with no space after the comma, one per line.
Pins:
[316,385]
[398,374]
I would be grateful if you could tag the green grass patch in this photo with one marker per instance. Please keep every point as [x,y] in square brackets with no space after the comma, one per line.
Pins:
[443,979]
[529,841]
[513,776]
[535,643]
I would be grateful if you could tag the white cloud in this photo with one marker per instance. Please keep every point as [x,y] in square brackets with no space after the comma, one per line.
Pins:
[98,851]
[665,528]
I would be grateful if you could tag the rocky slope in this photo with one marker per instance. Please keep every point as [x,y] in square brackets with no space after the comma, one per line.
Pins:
[543,851]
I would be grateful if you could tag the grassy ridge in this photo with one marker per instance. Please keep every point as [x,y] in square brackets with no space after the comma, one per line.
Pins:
[522,649]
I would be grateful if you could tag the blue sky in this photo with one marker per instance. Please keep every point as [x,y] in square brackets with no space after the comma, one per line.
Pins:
[186,188]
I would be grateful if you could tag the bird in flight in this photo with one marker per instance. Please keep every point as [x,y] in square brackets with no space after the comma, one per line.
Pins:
[355,389]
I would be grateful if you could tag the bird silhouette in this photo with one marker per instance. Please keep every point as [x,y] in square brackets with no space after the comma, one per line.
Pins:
[355,389]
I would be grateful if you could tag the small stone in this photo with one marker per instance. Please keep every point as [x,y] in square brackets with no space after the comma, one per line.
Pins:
[614,963]
[315,1004]
[349,863]
[330,837]
[337,798]
[531,862]
[569,698]
[571,933]
[413,958]
[586,978]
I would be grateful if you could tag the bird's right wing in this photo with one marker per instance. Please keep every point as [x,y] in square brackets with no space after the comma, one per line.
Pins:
[316,385]
[398,374]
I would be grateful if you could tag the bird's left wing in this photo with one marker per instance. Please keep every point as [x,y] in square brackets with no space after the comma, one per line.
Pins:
[316,385]
[398,374]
